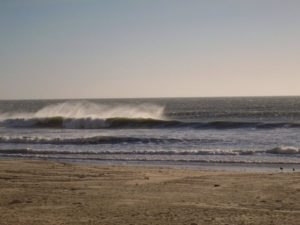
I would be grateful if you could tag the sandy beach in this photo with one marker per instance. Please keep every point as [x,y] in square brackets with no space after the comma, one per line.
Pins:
[42,192]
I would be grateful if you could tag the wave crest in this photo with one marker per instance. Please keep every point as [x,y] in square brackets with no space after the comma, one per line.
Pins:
[284,150]
[87,109]
[100,140]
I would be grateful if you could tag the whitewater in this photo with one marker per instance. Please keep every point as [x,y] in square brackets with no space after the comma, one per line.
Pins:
[186,131]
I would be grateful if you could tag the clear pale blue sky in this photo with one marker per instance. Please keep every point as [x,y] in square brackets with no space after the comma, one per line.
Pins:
[148,48]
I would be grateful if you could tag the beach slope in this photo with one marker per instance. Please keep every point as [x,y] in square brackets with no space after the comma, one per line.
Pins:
[42,192]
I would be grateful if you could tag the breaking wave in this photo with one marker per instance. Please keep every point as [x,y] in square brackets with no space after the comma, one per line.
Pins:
[284,150]
[83,115]
[88,115]
[134,152]
[29,151]
[99,140]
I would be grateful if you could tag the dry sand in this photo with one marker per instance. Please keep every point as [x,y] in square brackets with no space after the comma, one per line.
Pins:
[41,192]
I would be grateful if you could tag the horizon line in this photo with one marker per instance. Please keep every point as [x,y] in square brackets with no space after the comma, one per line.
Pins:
[163,97]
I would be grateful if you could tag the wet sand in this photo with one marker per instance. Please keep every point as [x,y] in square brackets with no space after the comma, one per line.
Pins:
[41,192]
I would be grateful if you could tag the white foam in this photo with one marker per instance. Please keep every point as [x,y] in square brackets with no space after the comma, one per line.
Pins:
[90,110]
[85,109]
[284,150]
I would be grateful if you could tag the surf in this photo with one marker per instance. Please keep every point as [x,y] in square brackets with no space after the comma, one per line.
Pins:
[281,150]
[89,115]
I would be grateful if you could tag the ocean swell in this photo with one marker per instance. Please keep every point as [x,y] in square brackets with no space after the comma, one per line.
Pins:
[133,123]
[88,115]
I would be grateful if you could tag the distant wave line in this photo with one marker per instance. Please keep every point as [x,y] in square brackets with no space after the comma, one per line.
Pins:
[135,123]
[282,150]
[101,140]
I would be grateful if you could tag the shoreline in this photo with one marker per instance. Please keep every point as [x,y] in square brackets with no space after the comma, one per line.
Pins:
[46,192]
[197,165]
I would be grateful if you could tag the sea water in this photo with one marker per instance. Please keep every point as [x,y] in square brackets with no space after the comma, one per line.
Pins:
[188,131]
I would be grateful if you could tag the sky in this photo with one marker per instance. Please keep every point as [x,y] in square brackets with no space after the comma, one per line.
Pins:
[148,48]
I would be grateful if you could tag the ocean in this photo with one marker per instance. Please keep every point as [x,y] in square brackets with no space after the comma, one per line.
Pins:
[250,131]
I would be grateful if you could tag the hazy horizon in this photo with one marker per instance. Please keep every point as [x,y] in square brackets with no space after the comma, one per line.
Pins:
[92,49]
[162,97]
